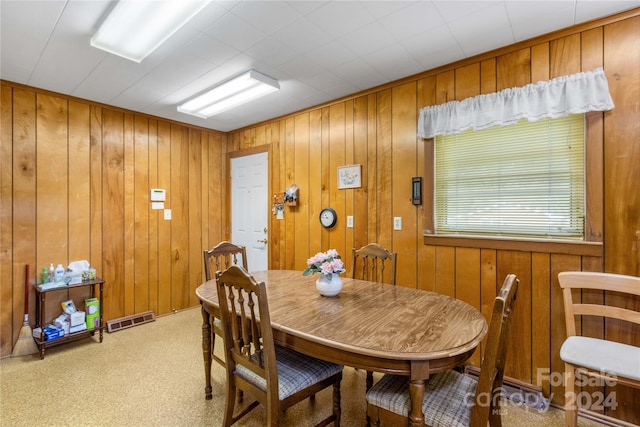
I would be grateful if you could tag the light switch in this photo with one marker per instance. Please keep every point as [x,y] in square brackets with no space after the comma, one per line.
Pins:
[397,223]
[167,214]
[350,221]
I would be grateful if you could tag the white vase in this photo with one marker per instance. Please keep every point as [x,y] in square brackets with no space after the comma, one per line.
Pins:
[329,287]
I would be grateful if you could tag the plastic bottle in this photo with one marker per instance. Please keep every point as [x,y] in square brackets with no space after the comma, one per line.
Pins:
[45,275]
[59,273]
[52,273]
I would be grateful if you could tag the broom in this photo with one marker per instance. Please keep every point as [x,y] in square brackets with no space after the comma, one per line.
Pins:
[25,344]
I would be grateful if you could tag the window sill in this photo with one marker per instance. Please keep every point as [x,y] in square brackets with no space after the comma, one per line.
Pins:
[516,244]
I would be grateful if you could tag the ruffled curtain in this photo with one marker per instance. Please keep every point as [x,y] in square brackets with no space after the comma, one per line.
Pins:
[572,94]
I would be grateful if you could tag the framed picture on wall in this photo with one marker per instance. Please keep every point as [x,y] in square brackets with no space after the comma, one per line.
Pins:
[349,177]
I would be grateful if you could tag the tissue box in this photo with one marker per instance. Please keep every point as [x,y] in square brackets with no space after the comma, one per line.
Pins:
[78,328]
[50,332]
[76,318]
[62,322]
[92,308]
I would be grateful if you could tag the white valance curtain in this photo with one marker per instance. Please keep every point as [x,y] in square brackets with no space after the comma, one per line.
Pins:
[572,94]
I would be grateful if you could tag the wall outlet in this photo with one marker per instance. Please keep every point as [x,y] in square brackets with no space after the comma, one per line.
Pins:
[397,223]
[350,221]
[167,214]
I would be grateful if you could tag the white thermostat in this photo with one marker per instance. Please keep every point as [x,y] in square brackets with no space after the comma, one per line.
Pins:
[158,195]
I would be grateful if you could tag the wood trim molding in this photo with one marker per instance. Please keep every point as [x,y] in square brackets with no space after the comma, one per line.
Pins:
[594,249]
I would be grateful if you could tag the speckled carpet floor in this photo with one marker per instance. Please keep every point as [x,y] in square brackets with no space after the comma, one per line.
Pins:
[152,375]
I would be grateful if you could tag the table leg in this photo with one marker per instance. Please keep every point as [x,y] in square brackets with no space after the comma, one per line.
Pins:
[206,350]
[416,393]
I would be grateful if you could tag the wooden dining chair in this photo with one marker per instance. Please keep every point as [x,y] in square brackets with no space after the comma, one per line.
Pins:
[603,359]
[451,398]
[220,257]
[375,263]
[272,375]
[371,262]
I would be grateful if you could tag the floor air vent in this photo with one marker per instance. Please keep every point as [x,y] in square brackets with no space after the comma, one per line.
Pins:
[130,321]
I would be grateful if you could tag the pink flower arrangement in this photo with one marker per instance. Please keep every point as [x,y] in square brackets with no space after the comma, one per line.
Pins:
[326,263]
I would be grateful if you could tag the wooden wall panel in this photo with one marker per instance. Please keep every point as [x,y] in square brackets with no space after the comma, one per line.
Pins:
[371,215]
[7,302]
[300,213]
[541,312]
[445,270]
[519,347]
[79,182]
[622,198]
[360,157]
[349,193]
[141,209]
[565,56]
[179,217]
[513,69]
[277,176]
[426,254]
[25,178]
[314,183]
[95,258]
[154,218]
[540,62]
[489,284]
[129,216]
[337,200]
[384,170]
[165,255]
[467,81]
[113,219]
[289,164]
[403,131]
[194,217]
[467,283]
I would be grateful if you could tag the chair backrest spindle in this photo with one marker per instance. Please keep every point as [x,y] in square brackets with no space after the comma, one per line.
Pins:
[371,261]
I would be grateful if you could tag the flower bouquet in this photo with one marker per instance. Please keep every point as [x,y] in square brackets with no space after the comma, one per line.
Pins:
[326,263]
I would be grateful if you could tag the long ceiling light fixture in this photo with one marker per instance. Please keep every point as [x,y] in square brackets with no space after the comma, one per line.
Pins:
[239,90]
[134,29]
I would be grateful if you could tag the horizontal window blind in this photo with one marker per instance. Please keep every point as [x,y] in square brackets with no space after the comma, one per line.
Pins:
[525,180]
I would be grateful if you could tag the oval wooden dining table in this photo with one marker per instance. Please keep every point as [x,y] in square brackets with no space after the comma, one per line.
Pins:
[369,325]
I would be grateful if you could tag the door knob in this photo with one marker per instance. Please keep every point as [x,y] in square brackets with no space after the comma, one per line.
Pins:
[263,241]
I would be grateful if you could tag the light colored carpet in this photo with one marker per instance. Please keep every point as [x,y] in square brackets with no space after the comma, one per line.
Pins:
[152,375]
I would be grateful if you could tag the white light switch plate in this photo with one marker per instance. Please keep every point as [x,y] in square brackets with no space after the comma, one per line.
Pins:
[397,223]
[350,221]
[167,214]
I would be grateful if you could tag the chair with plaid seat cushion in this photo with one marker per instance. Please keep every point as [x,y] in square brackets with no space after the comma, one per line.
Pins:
[271,375]
[451,398]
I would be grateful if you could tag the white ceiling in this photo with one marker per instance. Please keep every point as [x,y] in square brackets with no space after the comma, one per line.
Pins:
[318,50]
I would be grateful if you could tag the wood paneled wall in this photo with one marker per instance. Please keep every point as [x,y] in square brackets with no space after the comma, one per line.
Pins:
[75,180]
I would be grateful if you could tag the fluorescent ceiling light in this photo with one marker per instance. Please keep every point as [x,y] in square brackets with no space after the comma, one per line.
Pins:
[239,90]
[135,28]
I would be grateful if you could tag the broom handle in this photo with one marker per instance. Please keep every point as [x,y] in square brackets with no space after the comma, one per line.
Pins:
[26,293]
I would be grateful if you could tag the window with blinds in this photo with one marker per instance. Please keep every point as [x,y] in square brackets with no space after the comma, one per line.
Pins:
[525,180]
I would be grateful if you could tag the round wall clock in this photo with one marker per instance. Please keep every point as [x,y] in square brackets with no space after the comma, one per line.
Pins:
[328,217]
